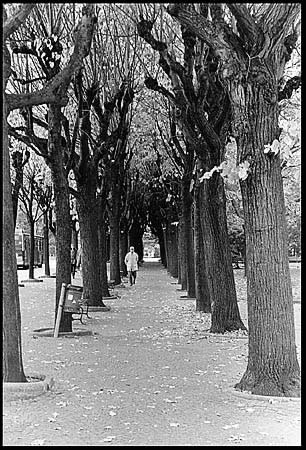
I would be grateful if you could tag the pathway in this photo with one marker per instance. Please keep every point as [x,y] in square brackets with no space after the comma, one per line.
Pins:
[151,375]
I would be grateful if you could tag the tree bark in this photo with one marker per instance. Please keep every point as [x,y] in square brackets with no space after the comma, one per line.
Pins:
[102,246]
[32,249]
[218,259]
[203,294]
[114,225]
[162,247]
[187,234]
[123,251]
[179,264]
[172,250]
[181,254]
[252,85]
[46,244]
[18,167]
[91,264]
[11,332]
[62,211]
[272,368]
[12,358]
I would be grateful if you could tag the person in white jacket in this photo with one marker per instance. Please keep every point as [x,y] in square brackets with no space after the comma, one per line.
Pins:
[131,261]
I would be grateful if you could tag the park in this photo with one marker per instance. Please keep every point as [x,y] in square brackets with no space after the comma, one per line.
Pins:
[151,226]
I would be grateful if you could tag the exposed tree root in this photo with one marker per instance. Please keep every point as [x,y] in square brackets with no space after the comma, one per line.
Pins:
[227,327]
[263,385]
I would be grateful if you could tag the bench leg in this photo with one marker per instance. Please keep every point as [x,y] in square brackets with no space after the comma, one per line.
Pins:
[81,315]
[82,312]
[87,308]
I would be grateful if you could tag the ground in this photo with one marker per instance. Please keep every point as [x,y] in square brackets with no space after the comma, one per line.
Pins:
[151,375]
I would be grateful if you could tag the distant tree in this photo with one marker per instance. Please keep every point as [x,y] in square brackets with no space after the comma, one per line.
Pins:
[19,157]
[44,194]
[30,197]
[203,113]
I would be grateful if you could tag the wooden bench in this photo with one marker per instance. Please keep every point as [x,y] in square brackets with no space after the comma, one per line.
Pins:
[74,302]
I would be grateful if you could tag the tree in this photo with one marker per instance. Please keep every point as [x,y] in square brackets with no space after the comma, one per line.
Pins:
[202,110]
[45,198]
[51,92]
[45,49]
[30,196]
[252,55]
[20,157]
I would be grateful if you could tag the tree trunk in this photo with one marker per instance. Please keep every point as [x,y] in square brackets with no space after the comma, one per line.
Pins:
[179,271]
[114,225]
[32,249]
[91,264]
[203,295]
[188,243]
[182,256]
[46,244]
[253,84]
[162,248]
[11,332]
[18,183]
[123,251]
[114,222]
[218,259]
[273,367]
[62,211]
[172,260]
[166,247]
[102,247]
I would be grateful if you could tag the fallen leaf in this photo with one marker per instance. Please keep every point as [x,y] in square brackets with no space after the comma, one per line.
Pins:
[238,437]
[38,442]
[109,438]
[227,427]
[53,418]
[62,404]
[250,410]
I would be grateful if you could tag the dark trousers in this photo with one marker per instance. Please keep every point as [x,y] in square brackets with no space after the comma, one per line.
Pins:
[132,276]
[73,267]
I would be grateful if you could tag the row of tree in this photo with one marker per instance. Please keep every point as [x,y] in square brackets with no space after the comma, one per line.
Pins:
[220,84]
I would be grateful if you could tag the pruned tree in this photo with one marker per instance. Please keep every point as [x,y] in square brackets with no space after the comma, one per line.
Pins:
[203,113]
[20,156]
[31,201]
[252,54]
[50,92]
[43,132]
[44,194]
[96,130]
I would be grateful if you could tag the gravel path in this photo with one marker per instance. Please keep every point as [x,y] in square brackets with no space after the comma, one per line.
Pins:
[150,375]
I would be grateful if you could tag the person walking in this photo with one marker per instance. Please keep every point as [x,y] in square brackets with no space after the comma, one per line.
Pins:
[131,261]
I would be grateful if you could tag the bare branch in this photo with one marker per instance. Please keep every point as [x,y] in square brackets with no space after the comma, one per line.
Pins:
[291,85]
[13,23]
[56,88]
[246,25]
[224,43]
[152,84]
